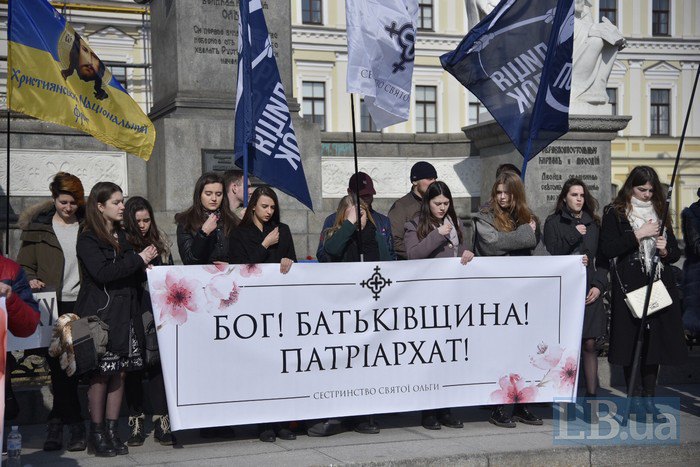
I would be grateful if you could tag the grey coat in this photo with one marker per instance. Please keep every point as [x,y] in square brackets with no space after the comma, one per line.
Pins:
[434,245]
[489,241]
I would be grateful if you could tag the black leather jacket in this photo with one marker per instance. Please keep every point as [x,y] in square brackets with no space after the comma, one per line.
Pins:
[198,248]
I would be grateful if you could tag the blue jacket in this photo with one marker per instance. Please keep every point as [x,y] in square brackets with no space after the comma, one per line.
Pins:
[383,228]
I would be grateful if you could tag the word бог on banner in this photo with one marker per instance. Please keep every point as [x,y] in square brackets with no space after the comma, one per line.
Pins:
[245,344]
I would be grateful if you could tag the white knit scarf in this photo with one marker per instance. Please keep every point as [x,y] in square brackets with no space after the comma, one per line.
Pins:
[640,213]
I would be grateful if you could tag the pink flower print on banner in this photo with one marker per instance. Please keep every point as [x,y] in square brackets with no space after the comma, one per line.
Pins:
[547,357]
[248,270]
[567,374]
[216,268]
[175,296]
[513,391]
[222,292]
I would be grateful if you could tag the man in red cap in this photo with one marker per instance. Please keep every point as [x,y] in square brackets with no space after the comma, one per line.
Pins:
[367,193]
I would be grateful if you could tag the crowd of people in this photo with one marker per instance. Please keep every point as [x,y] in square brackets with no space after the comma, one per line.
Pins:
[94,252]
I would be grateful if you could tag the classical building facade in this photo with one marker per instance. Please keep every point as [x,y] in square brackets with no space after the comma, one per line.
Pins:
[651,81]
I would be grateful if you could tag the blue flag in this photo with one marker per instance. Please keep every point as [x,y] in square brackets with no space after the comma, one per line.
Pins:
[517,62]
[265,142]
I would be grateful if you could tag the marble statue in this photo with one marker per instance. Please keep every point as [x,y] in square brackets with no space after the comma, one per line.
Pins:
[595,46]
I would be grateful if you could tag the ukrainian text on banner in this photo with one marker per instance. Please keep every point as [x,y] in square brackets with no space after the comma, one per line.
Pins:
[48,307]
[54,75]
[243,344]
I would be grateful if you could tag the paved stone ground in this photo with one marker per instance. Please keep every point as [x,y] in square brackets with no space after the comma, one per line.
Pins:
[402,442]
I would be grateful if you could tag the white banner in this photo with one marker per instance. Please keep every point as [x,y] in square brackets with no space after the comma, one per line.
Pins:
[42,336]
[244,344]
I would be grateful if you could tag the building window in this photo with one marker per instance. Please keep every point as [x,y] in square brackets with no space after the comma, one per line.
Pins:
[425,15]
[119,73]
[660,112]
[426,109]
[366,122]
[314,102]
[474,111]
[608,9]
[311,12]
[660,14]
[612,99]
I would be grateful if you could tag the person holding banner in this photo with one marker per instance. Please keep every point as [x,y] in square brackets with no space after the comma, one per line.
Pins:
[437,232]
[204,229]
[111,274]
[262,238]
[49,237]
[507,227]
[629,238]
[142,231]
[574,229]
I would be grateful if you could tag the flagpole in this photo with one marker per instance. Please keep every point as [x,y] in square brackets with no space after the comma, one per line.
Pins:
[7,189]
[357,179]
[245,177]
[655,261]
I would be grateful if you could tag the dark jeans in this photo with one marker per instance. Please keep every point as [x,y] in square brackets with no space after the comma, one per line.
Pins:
[133,391]
[66,404]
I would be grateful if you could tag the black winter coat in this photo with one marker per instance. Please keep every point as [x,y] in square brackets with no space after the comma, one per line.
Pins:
[562,238]
[691,267]
[664,341]
[110,288]
[198,248]
[246,245]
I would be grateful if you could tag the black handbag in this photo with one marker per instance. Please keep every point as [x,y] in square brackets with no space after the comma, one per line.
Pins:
[149,328]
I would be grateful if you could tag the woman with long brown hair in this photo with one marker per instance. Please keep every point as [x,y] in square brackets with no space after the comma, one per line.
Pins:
[573,229]
[204,229]
[507,227]
[111,274]
[142,231]
[436,232]
[629,238]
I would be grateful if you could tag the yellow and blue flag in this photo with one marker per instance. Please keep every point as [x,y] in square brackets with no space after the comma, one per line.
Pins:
[54,75]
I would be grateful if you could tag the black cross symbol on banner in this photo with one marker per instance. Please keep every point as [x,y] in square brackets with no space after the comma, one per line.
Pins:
[376,283]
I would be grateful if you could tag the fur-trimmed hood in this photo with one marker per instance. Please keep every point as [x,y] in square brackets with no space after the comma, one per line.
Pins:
[38,213]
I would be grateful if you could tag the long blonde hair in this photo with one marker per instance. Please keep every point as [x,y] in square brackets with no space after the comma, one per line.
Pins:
[346,202]
[518,213]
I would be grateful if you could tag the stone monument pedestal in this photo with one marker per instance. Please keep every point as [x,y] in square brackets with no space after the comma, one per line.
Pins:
[194,73]
[584,152]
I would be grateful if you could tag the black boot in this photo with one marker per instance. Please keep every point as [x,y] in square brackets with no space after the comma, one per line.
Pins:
[77,437]
[499,418]
[98,443]
[112,435]
[136,424]
[54,436]
[161,431]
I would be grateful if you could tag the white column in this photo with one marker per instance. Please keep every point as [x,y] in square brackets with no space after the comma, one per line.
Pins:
[689,21]
[688,70]
[636,98]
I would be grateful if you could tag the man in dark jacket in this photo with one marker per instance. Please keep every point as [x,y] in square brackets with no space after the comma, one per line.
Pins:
[367,193]
[405,208]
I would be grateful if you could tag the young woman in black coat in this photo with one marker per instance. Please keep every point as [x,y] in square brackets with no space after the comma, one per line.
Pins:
[142,231]
[574,229]
[629,236]
[111,275]
[262,238]
[204,229]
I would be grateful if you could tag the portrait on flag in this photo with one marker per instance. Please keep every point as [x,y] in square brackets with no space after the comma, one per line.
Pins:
[54,75]
[239,342]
